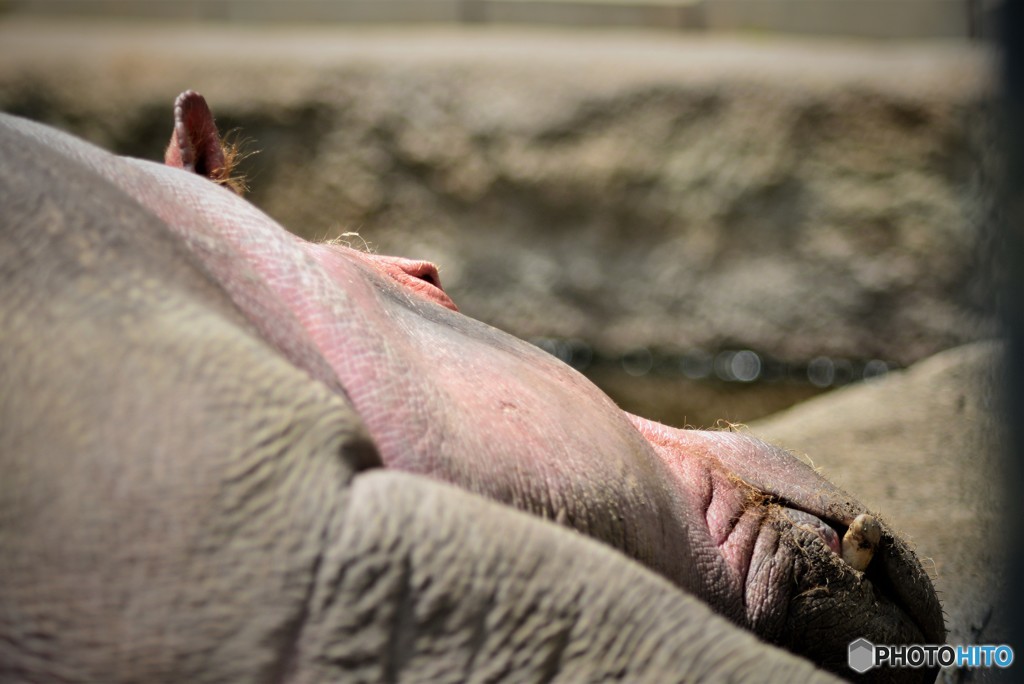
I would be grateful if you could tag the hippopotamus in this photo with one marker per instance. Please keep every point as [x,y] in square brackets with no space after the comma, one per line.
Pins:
[230,455]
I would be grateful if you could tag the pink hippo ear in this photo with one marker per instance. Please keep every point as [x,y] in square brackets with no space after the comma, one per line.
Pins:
[196,145]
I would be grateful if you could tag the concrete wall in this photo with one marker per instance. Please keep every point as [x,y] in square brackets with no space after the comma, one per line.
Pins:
[864,18]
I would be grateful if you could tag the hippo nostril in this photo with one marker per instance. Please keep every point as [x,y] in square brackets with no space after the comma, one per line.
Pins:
[421,270]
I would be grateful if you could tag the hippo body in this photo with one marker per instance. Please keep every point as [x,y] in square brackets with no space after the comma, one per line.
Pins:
[234,455]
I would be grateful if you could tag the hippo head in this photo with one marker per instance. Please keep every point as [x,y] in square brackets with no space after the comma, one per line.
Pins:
[745,527]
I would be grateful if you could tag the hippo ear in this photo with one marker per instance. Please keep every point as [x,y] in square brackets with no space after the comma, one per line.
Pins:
[196,145]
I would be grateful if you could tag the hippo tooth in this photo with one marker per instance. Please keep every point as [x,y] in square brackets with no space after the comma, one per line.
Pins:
[861,540]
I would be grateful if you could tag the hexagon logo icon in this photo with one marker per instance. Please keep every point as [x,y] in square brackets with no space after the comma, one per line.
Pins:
[861,657]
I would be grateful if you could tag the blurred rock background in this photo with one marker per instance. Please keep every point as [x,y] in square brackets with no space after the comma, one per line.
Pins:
[710,214]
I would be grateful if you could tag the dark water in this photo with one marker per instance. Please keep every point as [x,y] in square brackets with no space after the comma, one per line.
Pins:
[698,388]
[681,402]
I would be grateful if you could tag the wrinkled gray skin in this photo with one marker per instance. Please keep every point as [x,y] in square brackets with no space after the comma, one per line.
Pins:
[192,486]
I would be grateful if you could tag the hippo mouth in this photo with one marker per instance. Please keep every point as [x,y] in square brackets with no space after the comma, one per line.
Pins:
[780,532]
[829,600]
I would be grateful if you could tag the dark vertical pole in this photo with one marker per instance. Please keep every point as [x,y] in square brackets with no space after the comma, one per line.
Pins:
[1012,240]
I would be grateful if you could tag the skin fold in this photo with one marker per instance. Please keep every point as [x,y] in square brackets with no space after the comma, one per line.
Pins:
[248,456]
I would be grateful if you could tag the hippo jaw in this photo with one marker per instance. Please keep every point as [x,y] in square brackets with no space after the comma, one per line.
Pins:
[891,602]
[778,528]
